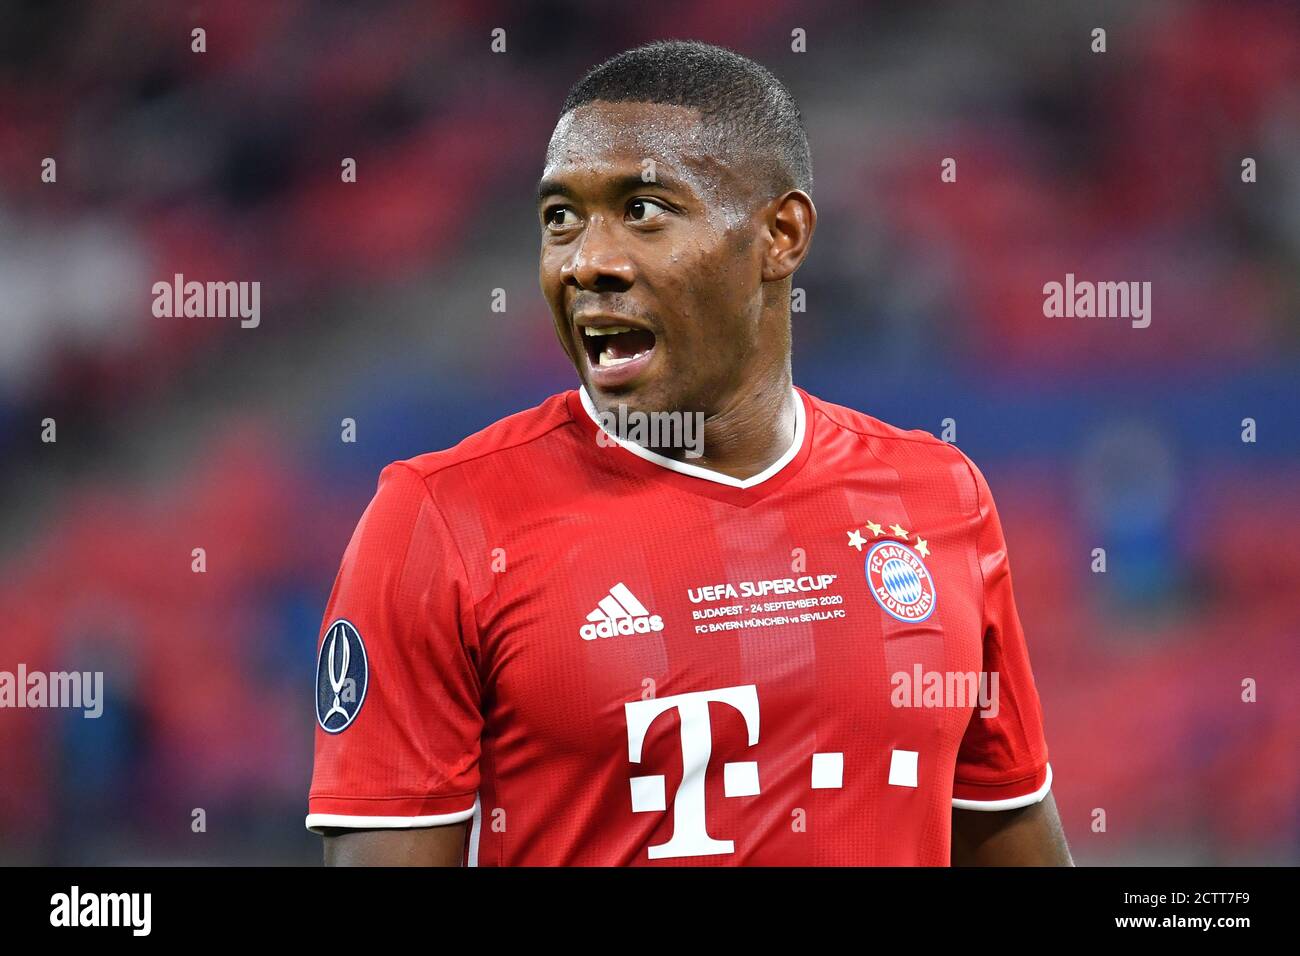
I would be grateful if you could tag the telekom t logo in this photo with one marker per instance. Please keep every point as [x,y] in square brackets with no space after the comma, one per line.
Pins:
[740,779]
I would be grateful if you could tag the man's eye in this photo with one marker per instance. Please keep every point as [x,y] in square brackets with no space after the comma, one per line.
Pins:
[645,210]
[561,216]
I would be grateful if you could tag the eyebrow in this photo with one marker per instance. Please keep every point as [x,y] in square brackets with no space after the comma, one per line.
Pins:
[626,183]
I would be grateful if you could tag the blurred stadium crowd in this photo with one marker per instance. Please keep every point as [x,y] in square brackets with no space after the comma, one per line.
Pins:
[924,303]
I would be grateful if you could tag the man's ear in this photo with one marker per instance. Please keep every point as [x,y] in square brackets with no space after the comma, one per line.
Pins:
[791,220]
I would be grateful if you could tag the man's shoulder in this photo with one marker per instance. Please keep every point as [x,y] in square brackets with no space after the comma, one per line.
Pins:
[516,432]
[905,449]
[852,420]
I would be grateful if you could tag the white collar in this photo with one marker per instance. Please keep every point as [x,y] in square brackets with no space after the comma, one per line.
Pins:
[696,471]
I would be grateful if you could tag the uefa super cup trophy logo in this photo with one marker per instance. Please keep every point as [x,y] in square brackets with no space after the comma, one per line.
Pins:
[342,675]
[338,680]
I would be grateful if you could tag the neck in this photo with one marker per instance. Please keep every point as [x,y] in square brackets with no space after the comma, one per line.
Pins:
[751,433]
[747,435]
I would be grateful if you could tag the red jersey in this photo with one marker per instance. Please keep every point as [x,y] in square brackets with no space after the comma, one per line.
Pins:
[601,656]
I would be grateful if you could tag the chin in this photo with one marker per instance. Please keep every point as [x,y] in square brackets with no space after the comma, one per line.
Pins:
[644,397]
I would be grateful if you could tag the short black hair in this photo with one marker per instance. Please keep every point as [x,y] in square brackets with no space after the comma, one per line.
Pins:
[751,107]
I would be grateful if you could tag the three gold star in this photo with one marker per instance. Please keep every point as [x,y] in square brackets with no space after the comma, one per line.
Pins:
[856,539]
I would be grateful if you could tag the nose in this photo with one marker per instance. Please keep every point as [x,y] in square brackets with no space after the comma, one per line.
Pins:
[598,263]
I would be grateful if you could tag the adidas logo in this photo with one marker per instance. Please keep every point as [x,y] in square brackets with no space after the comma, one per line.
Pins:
[619,612]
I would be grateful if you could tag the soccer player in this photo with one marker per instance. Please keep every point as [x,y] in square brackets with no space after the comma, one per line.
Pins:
[793,642]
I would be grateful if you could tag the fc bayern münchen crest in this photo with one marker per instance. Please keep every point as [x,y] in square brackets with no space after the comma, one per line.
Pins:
[900,582]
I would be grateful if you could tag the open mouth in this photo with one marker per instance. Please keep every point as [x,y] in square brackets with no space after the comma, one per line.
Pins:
[616,353]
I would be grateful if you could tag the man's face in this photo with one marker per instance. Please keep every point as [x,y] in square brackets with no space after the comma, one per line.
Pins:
[646,229]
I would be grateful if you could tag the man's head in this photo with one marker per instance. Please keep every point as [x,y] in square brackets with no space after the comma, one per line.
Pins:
[674,202]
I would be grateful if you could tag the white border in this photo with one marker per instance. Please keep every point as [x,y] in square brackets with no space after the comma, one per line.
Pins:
[475,831]
[1010,803]
[317,820]
[695,471]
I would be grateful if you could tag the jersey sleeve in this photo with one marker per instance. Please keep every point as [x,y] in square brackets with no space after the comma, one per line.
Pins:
[398,719]
[1002,762]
